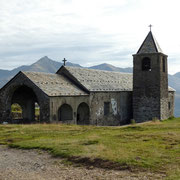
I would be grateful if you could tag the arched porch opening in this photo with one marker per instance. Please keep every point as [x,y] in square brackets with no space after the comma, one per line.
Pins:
[83,114]
[26,98]
[16,112]
[65,113]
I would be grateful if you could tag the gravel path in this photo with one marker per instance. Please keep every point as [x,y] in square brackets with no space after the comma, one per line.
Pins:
[18,164]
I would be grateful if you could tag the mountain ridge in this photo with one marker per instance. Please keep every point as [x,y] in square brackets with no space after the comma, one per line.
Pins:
[45,64]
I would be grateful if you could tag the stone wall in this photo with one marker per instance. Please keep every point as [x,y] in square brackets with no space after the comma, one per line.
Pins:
[164,111]
[73,101]
[146,109]
[150,88]
[120,108]
[171,105]
[120,111]
[163,88]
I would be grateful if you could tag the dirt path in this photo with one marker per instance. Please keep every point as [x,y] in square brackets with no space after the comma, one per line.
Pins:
[38,165]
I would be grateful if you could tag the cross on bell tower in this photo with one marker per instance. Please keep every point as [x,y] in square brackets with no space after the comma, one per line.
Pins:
[64,60]
[150,26]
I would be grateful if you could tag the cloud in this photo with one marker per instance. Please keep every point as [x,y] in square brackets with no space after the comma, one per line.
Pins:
[86,32]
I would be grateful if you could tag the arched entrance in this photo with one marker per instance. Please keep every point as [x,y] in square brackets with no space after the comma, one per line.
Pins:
[65,113]
[26,98]
[83,114]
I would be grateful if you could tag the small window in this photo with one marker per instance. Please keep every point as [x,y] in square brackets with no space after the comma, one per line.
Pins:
[164,64]
[106,108]
[146,64]
[169,105]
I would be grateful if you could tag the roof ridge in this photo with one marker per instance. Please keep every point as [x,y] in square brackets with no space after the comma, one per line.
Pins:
[97,70]
[38,72]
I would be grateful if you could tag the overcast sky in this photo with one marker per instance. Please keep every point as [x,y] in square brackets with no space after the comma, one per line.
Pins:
[87,32]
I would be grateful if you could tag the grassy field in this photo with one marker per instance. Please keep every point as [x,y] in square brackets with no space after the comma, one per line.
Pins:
[152,146]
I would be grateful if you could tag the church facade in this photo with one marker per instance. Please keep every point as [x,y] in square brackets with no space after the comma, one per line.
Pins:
[84,96]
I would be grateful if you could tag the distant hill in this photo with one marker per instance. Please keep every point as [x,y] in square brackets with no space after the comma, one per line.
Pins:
[109,67]
[44,65]
[177,75]
[174,82]
[48,65]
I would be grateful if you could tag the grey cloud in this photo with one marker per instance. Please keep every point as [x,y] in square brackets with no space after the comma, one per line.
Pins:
[26,35]
[76,47]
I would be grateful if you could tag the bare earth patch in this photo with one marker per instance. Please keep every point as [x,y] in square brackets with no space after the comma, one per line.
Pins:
[17,164]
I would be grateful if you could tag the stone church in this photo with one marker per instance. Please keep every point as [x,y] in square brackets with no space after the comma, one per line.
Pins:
[84,96]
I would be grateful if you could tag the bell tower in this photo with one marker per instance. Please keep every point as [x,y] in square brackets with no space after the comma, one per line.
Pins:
[150,81]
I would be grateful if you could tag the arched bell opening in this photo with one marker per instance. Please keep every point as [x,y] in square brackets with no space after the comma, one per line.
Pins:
[146,64]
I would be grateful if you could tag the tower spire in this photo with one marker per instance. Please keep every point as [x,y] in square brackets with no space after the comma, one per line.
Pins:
[150,44]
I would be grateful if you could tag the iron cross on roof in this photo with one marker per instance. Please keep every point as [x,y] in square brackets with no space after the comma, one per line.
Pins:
[150,26]
[64,60]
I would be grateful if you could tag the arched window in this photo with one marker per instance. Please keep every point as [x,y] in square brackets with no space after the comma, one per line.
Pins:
[146,64]
[65,112]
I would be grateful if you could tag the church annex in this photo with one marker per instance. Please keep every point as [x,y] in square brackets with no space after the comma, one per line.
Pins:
[85,96]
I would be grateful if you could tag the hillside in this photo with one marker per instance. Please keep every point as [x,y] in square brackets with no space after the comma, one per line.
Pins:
[46,64]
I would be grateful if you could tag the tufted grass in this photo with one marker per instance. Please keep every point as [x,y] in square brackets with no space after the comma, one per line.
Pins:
[151,146]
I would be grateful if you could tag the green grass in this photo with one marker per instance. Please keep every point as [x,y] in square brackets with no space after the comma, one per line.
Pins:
[152,146]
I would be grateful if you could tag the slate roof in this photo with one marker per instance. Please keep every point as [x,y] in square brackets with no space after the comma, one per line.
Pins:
[150,45]
[92,80]
[54,84]
[98,80]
